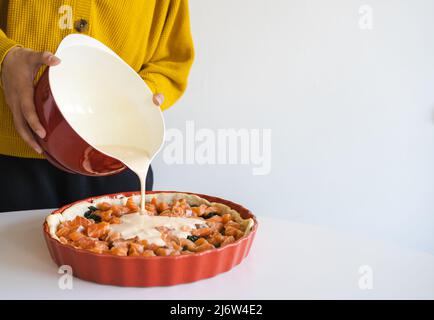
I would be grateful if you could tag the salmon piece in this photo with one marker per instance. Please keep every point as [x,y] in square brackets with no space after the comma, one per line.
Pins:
[219,226]
[200,241]
[71,224]
[163,251]
[66,224]
[232,231]
[112,236]
[162,206]
[182,205]
[204,247]
[151,209]
[227,241]
[226,218]
[153,247]
[154,201]
[172,241]
[144,243]
[182,202]
[131,205]
[106,215]
[120,243]
[80,221]
[215,226]
[177,212]
[103,206]
[148,253]
[115,220]
[84,243]
[175,246]
[63,231]
[233,224]
[199,211]
[75,235]
[186,243]
[186,252]
[99,247]
[119,211]
[98,230]
[136,249]
[202,232]
[186,206]
[84,221]
[215,218]
[116,210]
[119,251]
[166,238]
[76,222]
[216,239]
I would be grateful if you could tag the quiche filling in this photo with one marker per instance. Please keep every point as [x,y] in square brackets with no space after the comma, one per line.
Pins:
[174,224]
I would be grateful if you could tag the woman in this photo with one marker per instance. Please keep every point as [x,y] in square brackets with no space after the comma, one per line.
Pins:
[152,36]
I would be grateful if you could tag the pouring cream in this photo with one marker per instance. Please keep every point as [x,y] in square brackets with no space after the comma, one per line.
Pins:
[137,160]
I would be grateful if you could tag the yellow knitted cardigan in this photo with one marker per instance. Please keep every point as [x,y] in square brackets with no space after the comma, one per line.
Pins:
[152,36]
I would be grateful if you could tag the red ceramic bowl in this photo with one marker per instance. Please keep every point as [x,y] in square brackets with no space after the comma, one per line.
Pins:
[92,100]
[62,146]
[152,271]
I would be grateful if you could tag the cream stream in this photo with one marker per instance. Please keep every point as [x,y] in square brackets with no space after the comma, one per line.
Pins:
[137,160]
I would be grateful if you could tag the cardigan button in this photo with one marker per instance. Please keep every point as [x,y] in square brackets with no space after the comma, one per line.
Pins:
[81,25]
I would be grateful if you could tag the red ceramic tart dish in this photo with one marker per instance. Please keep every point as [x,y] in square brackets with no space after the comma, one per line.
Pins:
[144,271]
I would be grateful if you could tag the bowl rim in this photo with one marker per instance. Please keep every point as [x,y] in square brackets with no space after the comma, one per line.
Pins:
[129,258]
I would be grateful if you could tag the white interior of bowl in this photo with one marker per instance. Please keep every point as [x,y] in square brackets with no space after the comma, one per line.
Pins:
[103,99]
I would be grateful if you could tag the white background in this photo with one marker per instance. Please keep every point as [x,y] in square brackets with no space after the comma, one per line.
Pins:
[351,111]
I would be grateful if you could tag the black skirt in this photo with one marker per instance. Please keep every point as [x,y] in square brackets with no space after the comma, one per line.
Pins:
[35,184]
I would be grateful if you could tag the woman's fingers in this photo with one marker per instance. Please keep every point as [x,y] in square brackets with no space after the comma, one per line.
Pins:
[19,68]
[29,112]
[24,131]
[158,99]
[27,105]
[46,58]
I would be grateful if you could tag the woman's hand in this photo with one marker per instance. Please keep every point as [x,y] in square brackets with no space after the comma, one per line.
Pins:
[158,99]
[19,69]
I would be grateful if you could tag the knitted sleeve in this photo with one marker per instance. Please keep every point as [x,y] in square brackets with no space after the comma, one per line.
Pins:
[168,69]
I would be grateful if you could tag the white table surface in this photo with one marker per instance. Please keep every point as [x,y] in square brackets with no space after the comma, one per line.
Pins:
[287,261]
